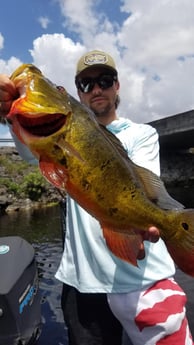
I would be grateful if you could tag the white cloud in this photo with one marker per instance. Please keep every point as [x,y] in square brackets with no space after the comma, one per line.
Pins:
[56,56]
[1,41]
[44,21]
[79,16]
[7,67]
[154,37]
[147,48]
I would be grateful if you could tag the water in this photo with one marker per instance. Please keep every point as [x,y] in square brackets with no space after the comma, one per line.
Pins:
[42,228]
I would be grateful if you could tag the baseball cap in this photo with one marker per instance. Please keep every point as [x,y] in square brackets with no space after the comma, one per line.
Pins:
[95,58]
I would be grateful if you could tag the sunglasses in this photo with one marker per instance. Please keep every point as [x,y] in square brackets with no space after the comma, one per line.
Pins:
[104,81]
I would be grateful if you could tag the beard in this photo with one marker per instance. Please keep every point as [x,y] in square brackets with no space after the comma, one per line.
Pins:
[103,111]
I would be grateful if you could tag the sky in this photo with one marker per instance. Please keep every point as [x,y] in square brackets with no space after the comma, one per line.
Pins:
[152,43]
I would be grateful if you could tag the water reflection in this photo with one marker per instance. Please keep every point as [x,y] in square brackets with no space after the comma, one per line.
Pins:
[37,225]
[48,257]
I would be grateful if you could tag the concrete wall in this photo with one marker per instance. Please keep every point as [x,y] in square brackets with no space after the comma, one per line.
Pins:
[177,166]
[177,173]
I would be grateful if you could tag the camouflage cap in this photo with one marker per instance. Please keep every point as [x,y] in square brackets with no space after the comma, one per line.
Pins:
[95,58]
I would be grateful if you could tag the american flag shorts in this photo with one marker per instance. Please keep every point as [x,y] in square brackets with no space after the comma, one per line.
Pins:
[155,316]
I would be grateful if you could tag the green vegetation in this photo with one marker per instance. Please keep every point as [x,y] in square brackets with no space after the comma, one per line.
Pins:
[13,168]
[34,185]
[21,180]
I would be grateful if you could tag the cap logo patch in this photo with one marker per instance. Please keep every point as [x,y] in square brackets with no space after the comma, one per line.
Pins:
[94,59]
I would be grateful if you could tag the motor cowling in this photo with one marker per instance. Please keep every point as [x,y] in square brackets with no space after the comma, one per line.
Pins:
[20,307]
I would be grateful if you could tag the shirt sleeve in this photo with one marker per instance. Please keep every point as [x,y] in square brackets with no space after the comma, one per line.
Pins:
[143,147]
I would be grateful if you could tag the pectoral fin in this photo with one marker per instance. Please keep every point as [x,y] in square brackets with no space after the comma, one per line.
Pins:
[69,149]
[54,173]
[124,246]
[151,184]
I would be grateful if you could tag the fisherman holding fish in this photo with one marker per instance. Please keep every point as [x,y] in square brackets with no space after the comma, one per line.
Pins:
[145,298]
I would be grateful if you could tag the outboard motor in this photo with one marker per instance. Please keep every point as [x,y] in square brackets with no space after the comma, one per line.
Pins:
[20,311]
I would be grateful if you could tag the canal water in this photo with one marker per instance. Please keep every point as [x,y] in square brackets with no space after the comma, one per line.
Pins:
[42,228]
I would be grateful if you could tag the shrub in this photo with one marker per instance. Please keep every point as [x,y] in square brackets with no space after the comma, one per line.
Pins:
[34,185]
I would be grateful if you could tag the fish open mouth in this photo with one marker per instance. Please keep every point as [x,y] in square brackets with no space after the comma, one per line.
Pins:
[42,126]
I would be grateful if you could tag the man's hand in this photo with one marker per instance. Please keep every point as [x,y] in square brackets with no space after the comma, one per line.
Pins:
[8,93]
[152,235]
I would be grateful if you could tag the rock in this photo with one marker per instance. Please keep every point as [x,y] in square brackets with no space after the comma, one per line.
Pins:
[4,203]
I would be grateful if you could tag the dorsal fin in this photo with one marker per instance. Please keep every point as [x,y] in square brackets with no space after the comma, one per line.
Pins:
[155,190]
[151,184]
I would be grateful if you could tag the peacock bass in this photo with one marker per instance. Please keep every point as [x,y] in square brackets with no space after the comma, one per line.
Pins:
[78,155]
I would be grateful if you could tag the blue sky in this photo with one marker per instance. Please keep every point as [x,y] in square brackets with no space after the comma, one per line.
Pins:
[151,41]
[25,21]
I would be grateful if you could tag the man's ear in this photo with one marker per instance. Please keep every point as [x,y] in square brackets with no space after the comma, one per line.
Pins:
[117,85]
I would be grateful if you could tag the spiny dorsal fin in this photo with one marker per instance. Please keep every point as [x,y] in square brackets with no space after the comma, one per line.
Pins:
[152,185]
[116,142]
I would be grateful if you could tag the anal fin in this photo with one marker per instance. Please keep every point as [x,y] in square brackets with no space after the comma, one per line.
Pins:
[122,245]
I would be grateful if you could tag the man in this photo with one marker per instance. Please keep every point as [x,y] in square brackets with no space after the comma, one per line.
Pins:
[145,299]
[94,269]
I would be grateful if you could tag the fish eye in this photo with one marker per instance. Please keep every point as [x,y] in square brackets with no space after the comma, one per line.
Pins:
[185,226]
